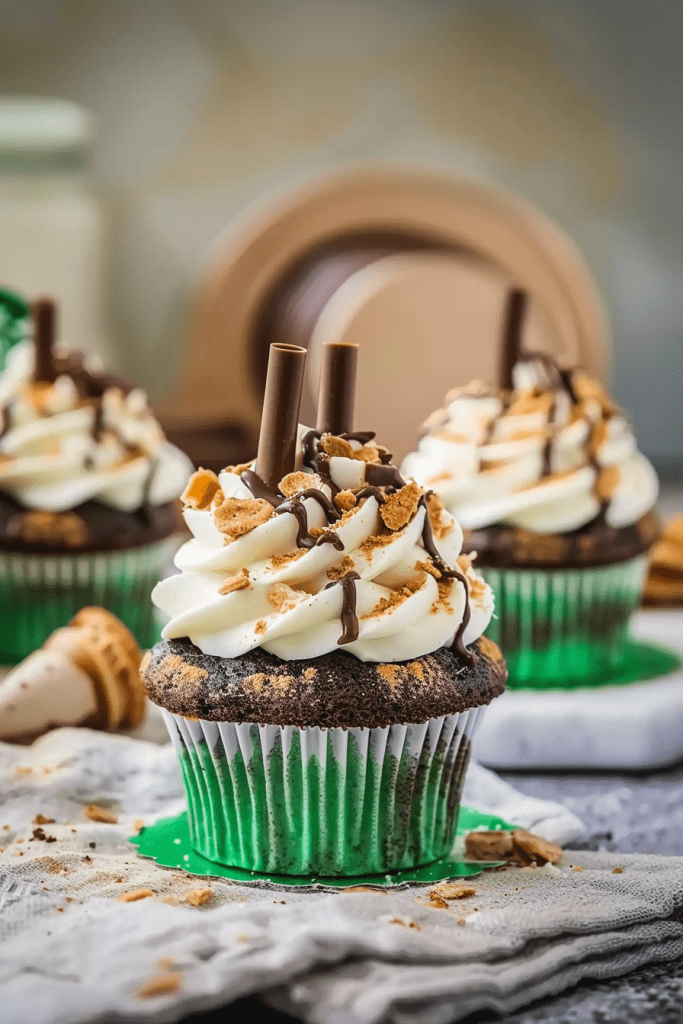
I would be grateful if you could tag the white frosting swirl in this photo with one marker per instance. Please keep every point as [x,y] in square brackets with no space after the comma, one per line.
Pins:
[536,458]
[52,459]
[259,589]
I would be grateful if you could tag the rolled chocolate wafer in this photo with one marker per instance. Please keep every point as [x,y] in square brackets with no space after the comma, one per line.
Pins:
[280,418]
[337,392]
[513,326]
[44,328]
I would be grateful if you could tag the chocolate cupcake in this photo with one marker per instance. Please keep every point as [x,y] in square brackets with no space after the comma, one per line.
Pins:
[554,497]
[324,667]
[87,491]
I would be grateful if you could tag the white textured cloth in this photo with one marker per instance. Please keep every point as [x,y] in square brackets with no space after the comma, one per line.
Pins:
[71,952]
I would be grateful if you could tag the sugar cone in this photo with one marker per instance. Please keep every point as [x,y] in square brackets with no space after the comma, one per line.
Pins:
[45,691]
[87,673]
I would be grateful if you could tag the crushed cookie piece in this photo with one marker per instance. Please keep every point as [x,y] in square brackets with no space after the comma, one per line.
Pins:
[198,897]
[452,891]
[617,871]
[237,516]
[490,845]
[66,529]
[399,508]
[437,902]
[345,501]
[163,985]
[233,583]
[533,848]
[576,867]
[441,524]
[96,813]
[295,482]
[405,922]
[260,627]
[239,469]
[337,571]
[607,482]
[396,598]
[40,819]
[280,561]
[428,567]
[283,598]
[201,489]
[134,895]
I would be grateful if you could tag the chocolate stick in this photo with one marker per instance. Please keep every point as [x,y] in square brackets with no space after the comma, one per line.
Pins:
[337,392]
[513,323]
[44,328]
[280,416]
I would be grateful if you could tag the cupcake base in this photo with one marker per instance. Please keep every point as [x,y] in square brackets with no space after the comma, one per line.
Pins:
[42,592]
[168,843]
[323,802]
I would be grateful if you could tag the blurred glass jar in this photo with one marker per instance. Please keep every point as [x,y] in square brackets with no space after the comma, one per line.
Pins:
[51,227]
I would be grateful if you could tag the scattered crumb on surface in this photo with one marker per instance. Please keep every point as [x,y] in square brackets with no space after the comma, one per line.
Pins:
[405,922]
[134,895]
[452,891]
[40,819]
[197,897]
[162,985]
[617,871]
[96,813]
[138,825]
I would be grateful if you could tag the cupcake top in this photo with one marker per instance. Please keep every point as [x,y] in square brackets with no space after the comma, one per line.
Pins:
[549,456]
[343,555]
[79,436]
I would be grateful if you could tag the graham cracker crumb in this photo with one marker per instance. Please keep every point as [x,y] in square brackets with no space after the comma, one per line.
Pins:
[377,540]
[399,508]
[134,896]
[40,819]
[607,482]
[173,664]
[283,598]
[337,447]
[428,567]
[530,847]
[488,649]
[237,516]
[441,525]
[198,897]
[280,561]
[405,922]
[310,673]
[576,867]
[138,825]
[452,891]
[163,985]
[493,845]
[617,871]
[232,583]
[445,588]
[396,598]
[260,627]
[345,500]
[238,470]
[437,902]
[37,527]
[392,674]
[200,490]
[96,813]
[295,482]
[337,571]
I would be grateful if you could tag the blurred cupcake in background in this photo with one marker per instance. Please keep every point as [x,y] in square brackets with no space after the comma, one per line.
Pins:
[87,490]
[544,475]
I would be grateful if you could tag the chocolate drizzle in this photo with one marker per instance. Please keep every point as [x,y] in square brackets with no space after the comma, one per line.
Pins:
[376,476]
[448,573]
[349,618]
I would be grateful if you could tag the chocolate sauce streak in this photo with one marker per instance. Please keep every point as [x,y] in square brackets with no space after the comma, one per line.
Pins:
[260,489]
[349,618]
[448,573]
[370,492]
[5,420]
[304,538]
[384,476]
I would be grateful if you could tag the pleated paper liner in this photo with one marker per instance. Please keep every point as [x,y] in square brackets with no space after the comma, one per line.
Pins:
[565,628]
[168,843]
[40,593]
[318,802]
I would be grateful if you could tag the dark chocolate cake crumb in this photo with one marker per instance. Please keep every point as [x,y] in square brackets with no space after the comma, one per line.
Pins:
[335,690]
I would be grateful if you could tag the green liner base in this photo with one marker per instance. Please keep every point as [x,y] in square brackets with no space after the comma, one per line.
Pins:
[168,843]
[640,662]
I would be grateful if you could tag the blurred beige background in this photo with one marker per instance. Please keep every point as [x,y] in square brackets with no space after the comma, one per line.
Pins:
[207,106]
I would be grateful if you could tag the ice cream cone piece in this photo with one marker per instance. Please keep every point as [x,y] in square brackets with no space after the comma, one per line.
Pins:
[43,692]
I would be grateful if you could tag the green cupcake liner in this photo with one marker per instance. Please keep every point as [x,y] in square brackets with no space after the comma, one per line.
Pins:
[40,593]
[323,802]
[564,627]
